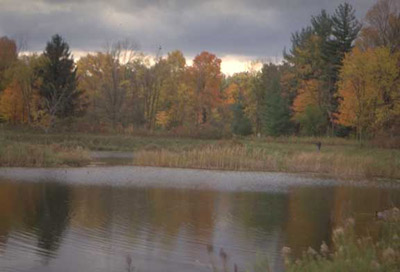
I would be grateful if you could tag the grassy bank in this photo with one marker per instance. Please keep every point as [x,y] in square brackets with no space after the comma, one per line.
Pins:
[339,161]
[351,253]
[101,142]
[340,158]
[37,155]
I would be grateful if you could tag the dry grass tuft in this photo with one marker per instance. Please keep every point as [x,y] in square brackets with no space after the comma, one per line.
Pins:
[34,155]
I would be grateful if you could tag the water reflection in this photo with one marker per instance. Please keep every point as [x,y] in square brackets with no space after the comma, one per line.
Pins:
[310,218]
[59,227]
[52,216]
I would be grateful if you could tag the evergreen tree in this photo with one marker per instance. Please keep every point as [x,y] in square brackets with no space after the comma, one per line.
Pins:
[345,28]
[313,121]
[241,125]
[59,82]
[322,25]
[276,113]
[298,40]
[316,57]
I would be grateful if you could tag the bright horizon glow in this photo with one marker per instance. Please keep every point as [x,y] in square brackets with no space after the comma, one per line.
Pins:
[230,64]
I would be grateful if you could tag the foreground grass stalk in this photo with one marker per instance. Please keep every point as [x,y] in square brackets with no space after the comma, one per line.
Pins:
[351,253]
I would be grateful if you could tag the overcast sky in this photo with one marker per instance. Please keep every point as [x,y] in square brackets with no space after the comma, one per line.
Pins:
[235,30]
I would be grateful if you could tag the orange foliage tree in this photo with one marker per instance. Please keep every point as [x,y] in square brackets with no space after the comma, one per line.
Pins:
[308,95]
[205,76]
[11,105]
[20,101]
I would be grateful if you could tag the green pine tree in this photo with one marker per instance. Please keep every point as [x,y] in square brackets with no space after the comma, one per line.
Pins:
[59,82]
[345,28]
[276,113]
[241,125]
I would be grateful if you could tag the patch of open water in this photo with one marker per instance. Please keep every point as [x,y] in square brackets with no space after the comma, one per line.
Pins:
[158,219]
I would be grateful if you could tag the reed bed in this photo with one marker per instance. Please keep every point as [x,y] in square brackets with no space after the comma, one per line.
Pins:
[34,155]
[244,158]
[342,158]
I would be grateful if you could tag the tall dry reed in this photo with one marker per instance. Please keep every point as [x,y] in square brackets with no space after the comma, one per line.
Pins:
[34,155]
[336,164]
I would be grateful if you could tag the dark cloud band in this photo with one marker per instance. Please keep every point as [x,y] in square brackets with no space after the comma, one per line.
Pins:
[253,28]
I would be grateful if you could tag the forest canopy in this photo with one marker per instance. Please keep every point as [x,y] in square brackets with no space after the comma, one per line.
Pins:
[338,78]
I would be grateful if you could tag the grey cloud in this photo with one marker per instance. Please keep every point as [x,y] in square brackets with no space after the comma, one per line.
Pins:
[255,28]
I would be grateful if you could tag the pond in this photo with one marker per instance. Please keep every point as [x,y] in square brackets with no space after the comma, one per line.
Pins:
[147,219]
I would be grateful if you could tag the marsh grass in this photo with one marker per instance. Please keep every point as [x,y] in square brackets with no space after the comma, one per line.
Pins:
[341,158]
[352,253]
[336,163]
[34,155]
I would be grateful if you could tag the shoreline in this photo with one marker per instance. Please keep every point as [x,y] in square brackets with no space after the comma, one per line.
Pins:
[145,176]
[339,159]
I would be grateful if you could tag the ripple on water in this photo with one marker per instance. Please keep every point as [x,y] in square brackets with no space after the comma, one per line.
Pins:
[91,225]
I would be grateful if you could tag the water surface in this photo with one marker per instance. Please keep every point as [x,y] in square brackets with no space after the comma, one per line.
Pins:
[103,219]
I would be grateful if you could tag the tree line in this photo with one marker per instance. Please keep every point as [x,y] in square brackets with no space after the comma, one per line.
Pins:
[338,78]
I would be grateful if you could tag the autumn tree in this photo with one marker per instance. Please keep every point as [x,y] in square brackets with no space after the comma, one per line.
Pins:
[20,99]
[316,57]
[175,110]
[138,83]
[106,77]
[59,91]
[155,80]
[101,78]
[205,81]
[8,56]
[310,87]
[368,80]
[308,73]
[11,106]
[382,29]
[382,26]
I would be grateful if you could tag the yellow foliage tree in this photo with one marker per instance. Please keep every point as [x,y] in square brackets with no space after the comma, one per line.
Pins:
[369,89]
[162,119]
